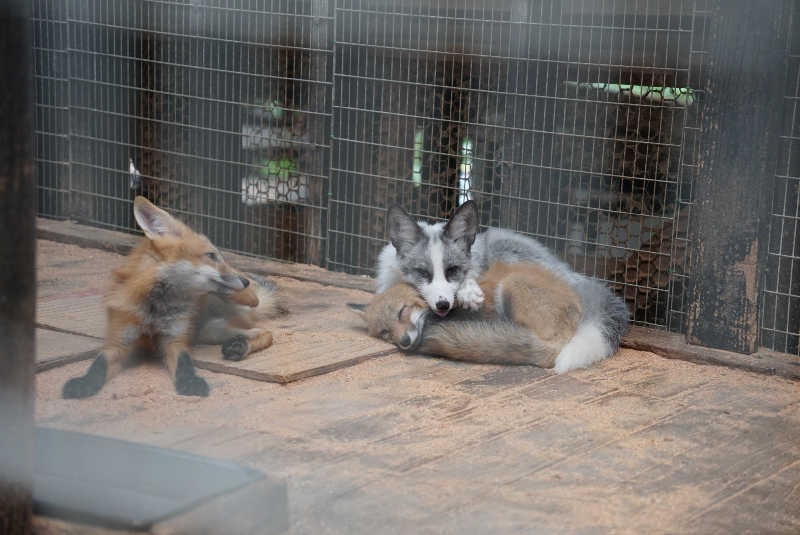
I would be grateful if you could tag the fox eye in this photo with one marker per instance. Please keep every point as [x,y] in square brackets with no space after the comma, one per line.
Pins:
[213,256]
[385,333]
[451,272]
[423,273]
[400,312]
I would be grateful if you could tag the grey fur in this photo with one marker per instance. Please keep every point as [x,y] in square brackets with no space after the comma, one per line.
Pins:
[261,281]
[463,226]
[601,307]
[420,254]
[486,342]
[403,232]
[168,304]
[211,322]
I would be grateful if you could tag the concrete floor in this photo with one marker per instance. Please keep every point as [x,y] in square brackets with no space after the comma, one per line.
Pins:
[407,444]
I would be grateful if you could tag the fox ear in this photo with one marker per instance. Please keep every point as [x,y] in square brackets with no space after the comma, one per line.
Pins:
[359,310]
[403,231]
[463,226]
[154,221]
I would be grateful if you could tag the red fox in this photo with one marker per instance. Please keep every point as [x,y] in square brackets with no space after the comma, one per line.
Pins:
[530,316]
[175,291]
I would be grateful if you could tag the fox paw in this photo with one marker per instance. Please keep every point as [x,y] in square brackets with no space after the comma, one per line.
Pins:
[187,382]
[470,295]
[89,384]
[236,348]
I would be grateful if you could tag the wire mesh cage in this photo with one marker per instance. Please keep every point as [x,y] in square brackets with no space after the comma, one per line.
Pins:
[285,129]
[780,307]
[51,112]
[217,111]
[562,120]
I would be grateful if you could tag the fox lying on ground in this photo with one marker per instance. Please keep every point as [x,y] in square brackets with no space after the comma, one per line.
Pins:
[530,316]
[175,291]
[445,261]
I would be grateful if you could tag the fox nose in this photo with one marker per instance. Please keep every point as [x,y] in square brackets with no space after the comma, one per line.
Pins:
[232,282]
[245,282]
[404,342]
[442,306]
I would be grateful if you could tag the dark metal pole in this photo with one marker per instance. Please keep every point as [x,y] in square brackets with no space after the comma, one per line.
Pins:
[741,118]
[17,273]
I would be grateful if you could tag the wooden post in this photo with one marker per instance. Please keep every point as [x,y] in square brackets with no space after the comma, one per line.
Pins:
[741,107]
[17,275]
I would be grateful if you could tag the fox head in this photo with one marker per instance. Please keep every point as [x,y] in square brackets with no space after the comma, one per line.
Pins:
[434,258]
[397,315]
[185,257]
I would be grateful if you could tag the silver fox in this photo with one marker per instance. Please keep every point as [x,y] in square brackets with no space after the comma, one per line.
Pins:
[443,262]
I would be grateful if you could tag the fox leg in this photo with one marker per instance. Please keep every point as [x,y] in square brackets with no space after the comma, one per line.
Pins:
[108,363]
[470,295]
[242,345]
[181,369]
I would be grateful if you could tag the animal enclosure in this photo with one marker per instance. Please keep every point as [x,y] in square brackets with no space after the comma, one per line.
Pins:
[285,129]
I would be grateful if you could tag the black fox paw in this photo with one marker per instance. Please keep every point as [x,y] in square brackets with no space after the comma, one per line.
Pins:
[89,384]
[80,387]
[235,348]
[187,383]
[192,386]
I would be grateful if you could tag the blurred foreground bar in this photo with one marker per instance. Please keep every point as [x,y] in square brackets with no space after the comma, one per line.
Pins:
[17,273]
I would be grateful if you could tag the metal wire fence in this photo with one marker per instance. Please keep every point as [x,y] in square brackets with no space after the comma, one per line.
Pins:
[222,111]
[51,111]
[520,107]
[285,129]
[780,306]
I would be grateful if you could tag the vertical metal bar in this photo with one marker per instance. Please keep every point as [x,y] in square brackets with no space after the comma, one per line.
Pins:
[17,275]
[68,209]
[676,307]
[320,133]
[740,127]
[327,191]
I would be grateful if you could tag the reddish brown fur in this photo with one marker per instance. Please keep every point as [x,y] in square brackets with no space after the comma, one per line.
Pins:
[532,297]
[388,315]
[129,327]
[539,300]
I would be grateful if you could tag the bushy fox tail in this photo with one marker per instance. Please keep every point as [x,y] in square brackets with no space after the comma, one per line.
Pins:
[487,342]
[604,323]
[269,302]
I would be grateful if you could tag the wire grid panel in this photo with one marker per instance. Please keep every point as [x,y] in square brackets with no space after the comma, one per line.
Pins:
[680,274]
[51,90]
[518,105]
[218,111]
[780,304]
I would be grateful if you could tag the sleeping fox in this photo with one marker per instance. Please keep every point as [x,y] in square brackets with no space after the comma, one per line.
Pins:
[530,316]
[175,291]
